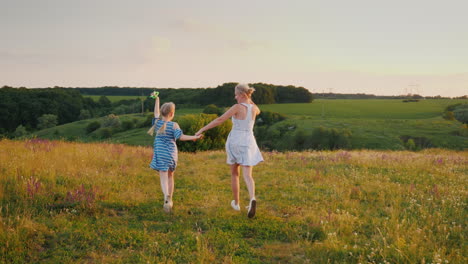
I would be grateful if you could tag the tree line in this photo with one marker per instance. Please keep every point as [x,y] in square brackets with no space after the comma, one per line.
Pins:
[373,96]
[222,95]
[33,109]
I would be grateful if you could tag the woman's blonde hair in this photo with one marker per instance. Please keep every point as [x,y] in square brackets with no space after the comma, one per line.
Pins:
[165,110]
[244,88]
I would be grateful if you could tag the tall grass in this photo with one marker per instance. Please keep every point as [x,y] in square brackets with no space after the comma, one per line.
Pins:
[73,203]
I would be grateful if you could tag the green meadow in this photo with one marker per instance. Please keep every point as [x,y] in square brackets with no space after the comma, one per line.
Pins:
[65,202]
[365,108]
[380,124]
[375,124]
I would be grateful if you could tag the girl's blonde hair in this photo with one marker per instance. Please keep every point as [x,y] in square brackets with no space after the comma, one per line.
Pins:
[244,88]
[165,110]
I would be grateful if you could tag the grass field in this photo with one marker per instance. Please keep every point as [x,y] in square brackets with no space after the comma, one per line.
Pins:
[100,203]
[378,124]
[365,109]
[375,124]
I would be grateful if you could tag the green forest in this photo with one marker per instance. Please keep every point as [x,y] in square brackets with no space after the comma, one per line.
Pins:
[25,107]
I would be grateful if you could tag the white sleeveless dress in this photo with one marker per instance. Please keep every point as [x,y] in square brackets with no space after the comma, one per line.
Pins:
[241,146]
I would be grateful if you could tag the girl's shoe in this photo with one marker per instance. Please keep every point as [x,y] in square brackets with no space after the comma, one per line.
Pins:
[235,206]
[167,204]
[252,208]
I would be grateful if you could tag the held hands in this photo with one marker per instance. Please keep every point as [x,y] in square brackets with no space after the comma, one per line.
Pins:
[197,137]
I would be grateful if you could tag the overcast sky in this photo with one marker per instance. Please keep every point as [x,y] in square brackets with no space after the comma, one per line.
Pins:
[359,46]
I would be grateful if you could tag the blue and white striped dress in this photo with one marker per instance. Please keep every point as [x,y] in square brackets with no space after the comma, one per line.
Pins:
[165,147]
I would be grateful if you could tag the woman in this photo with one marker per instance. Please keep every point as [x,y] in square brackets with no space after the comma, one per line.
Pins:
[241,146]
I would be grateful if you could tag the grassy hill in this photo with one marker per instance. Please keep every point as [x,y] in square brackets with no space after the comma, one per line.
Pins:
[76,131]
[100,203]
[379,124]
[366,108]
[375,124]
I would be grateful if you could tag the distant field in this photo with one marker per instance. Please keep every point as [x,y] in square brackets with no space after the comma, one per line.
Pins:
[378,124]
[375,124]
[365,109]
[113,98]
[100,203]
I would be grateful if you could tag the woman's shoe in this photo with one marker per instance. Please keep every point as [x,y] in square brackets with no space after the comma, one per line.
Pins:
[235,206]
[252,208]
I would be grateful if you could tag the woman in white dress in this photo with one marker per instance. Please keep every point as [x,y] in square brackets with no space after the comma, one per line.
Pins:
[241,146]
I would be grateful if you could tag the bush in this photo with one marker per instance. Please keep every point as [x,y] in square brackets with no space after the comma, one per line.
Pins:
[452,107]
[268,118]
[275,137]
[461,114]
[287,137]
[127,125]
[463,132]
[213,109]
[126,109]
[92,126]
[300,139]
[419,142]
[84,114]
[147,122]
[47,121]
[449,115]
[111,121]
[105,132]
[213,139]
[104,101]
[20,132]
[458,111]
[410,144]
[329,138]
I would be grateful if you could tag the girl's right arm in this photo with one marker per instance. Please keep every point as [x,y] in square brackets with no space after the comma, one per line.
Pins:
[188,138]
[156,107]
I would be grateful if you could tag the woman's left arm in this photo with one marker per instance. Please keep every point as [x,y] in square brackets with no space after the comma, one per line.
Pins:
[218,121]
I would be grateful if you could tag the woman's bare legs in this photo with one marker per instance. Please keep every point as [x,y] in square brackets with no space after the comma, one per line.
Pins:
[249,181]
[235,182]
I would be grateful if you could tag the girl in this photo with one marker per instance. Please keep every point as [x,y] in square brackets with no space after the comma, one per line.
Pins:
[241,146]
[165,148]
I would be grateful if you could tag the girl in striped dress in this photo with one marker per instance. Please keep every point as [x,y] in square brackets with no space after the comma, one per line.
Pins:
[165,148]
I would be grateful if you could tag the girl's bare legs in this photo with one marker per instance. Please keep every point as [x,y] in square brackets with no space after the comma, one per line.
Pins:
[235,182]
[163,176]
[249,181]
[170,185]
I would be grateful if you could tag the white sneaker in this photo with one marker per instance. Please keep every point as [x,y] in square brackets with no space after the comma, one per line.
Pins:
[252,208]
[235,206]
[168,204]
